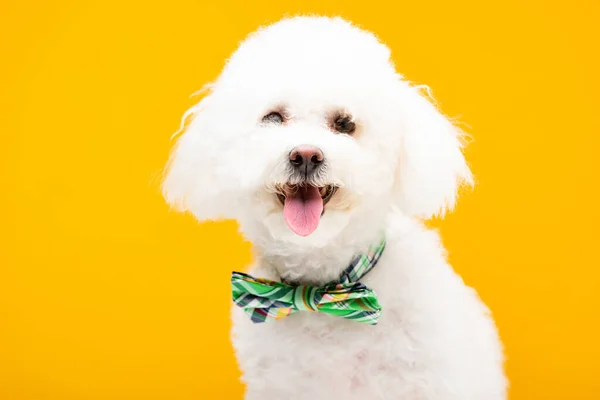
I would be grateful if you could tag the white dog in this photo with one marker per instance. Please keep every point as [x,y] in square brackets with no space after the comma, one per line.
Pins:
[319,149]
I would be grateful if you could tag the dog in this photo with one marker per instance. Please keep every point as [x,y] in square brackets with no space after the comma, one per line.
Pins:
[312,141]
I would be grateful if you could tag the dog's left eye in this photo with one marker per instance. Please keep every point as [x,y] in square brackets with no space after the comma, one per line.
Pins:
[273,118]
[344,124]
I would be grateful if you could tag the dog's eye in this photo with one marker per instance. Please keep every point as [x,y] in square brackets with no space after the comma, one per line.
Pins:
[344,124]
[273,118]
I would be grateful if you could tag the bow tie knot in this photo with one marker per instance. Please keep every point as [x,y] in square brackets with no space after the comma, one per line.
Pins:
[305,298]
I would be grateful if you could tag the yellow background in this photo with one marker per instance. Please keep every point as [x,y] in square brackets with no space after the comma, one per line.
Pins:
[105,294]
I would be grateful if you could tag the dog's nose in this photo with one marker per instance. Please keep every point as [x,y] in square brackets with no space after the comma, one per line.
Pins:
[306,158]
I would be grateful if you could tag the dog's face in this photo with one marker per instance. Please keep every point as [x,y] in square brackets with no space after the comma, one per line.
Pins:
[310,135]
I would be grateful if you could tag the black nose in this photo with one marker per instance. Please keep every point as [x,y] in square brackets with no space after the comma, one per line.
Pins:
[306,159]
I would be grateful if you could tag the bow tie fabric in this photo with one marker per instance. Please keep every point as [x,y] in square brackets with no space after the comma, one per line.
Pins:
[265,300]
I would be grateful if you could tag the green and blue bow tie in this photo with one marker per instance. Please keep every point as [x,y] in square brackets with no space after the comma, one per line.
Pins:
[265,300]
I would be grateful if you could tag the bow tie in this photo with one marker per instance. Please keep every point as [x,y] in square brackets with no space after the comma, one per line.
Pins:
[265,300]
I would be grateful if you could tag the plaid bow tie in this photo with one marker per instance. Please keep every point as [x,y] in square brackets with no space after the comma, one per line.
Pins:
[265,300]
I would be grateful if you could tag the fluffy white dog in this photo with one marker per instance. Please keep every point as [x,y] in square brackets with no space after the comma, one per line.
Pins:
[313,142]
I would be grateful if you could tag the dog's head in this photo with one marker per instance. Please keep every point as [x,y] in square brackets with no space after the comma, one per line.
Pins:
[309,135]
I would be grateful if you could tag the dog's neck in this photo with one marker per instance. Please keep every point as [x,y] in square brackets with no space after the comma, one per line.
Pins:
[314,266]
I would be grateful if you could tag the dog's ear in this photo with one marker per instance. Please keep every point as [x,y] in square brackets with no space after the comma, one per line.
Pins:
[431,166]
[191,177]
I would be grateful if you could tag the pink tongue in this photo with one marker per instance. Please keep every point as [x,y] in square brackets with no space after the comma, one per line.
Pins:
[302,210]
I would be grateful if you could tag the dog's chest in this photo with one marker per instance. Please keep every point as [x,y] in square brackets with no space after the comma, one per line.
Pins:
[318,349]
[322,355]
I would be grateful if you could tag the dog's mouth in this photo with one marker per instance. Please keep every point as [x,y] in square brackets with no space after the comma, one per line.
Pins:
[303,206]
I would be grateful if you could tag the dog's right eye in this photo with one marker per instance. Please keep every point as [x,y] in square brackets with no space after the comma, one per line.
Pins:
[273,118]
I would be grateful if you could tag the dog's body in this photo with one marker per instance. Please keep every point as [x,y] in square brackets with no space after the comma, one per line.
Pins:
[434,339]
[319,149]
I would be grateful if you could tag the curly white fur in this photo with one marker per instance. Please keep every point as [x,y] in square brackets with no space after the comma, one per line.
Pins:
[435,339]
